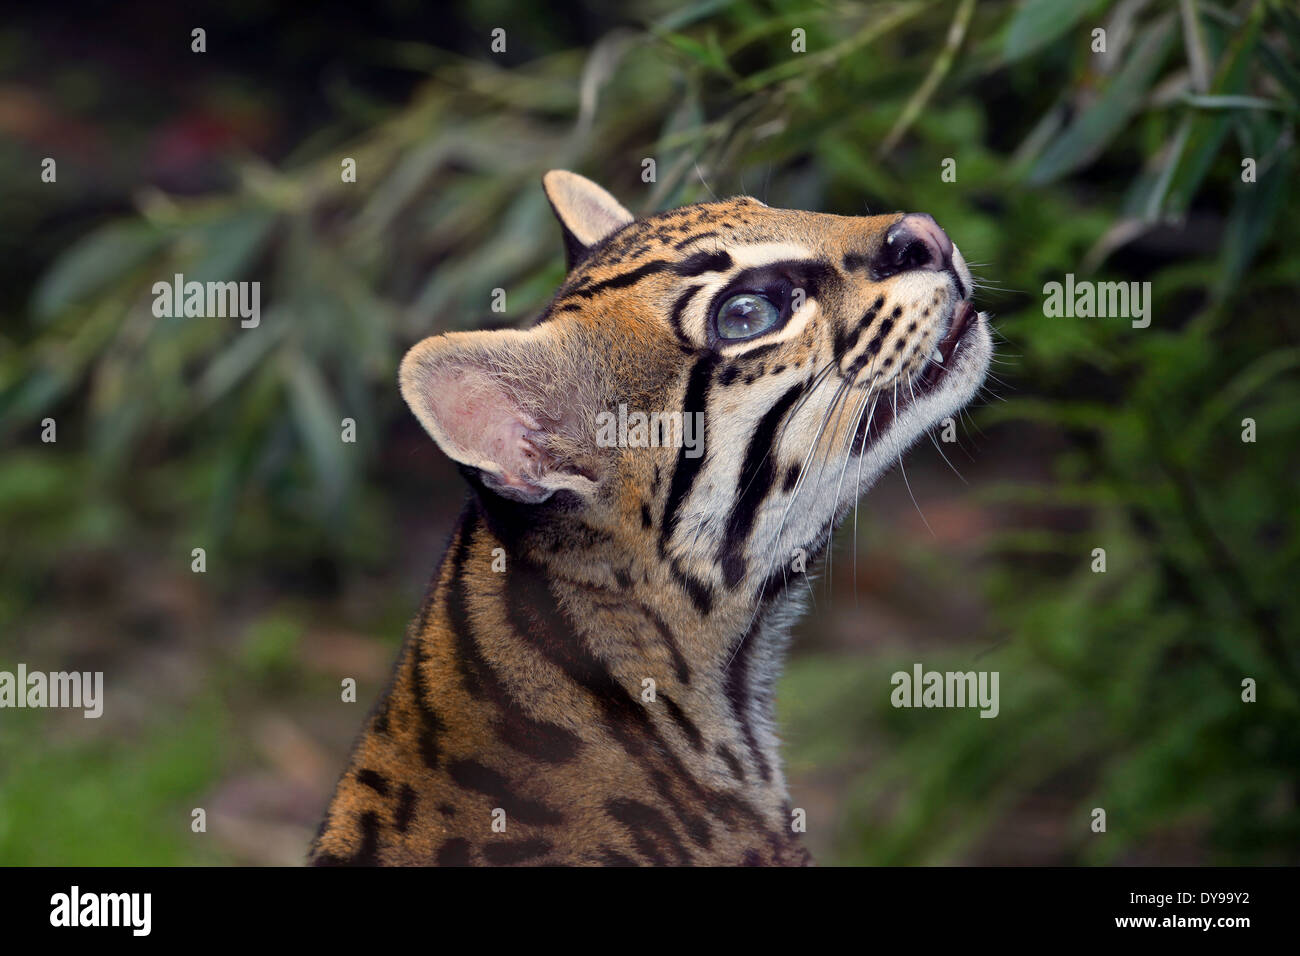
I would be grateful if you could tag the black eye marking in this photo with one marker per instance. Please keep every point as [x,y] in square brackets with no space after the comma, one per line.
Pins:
[748,315]
[675,317]
[774,282]
[702,262]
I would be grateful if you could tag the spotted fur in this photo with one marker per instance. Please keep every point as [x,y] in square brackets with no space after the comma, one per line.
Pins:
[580,573]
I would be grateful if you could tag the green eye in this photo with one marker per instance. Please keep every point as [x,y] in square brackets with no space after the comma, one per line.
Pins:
[746,315]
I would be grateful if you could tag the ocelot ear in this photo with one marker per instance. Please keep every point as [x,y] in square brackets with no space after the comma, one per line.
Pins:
[489,400]
[586,212]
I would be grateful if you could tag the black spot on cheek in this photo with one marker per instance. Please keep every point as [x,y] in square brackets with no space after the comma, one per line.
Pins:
[791,478]
[646,520]
[728,375]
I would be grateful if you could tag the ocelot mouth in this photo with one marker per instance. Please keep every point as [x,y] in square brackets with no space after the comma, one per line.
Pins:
[888,406]
[962,316]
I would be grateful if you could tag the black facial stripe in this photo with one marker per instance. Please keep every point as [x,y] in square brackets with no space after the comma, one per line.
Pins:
[675,317]
[759,350]
[702,262]
[699,592]
[631,277]
[846,342]
[757,475]
[693,265]
[688,469]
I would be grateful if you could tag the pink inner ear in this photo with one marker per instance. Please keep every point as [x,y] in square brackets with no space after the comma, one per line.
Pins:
[481,422]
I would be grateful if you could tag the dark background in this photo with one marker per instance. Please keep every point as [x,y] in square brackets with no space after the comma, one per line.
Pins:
[1119,690]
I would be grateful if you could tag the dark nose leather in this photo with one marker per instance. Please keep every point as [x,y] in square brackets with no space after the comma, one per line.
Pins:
[914,242]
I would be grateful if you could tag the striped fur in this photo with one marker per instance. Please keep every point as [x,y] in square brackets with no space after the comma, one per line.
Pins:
[579,573]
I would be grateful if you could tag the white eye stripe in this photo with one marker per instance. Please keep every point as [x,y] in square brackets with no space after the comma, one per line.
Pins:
[758,254]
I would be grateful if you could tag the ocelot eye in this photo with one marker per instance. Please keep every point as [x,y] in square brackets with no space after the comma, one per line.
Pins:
[746,315]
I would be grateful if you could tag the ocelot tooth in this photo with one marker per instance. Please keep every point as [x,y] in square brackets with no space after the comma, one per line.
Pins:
[938,355]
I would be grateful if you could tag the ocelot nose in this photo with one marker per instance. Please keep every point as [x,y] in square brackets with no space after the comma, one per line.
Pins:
[914,242]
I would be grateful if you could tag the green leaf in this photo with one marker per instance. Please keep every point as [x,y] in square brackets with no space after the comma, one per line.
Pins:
[318,423]
[95,261]
[1039,22]
[228,246]
[1210,127]
[1087,136]
[1251,219]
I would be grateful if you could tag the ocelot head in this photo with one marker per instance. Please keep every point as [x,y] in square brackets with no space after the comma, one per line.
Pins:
[711,388]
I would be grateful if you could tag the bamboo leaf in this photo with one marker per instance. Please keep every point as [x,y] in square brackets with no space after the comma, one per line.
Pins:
[1039,22]
[1102,121]
[98,260]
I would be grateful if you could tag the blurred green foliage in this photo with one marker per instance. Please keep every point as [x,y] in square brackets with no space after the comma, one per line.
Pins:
[1123,165]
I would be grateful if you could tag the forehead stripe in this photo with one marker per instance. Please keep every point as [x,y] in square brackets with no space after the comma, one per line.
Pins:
[699,235]
[694,265]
